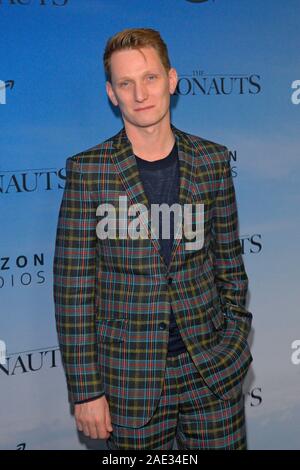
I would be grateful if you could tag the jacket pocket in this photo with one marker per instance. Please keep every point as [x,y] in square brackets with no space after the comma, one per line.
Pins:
[217,318]
[112,330]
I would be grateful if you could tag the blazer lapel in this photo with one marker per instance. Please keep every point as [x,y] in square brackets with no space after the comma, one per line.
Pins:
[127,169]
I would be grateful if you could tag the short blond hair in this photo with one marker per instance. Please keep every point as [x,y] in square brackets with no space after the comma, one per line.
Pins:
[135,38]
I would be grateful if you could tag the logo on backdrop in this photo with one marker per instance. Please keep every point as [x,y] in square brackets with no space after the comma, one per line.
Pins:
[233,157]
[251,244]
[295,357]
[198,82]
[233,160]
[31,180]
[296,94]
[255,397]
[4,85]
[42,3]
[30,361]
[21,446]
[49,179]
[22,270]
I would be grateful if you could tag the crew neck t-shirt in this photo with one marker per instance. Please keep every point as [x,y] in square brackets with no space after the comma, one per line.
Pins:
[160,180]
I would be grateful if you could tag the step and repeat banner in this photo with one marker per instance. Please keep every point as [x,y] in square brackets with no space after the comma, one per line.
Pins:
[239,85]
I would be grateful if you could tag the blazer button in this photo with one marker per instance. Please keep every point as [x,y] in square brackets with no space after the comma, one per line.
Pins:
[170,281]
[162,326]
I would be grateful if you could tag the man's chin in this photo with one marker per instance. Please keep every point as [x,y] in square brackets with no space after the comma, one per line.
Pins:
[144,123]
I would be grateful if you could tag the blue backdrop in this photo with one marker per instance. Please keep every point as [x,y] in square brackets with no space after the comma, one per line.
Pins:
[239,85]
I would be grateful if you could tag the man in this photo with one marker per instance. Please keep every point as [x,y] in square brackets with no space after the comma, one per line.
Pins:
[153,331]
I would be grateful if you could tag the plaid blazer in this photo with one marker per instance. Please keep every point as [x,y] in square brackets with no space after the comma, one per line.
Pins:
[112,296]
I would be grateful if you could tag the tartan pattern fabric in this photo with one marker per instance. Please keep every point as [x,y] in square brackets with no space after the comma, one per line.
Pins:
[112,296]
[188,411]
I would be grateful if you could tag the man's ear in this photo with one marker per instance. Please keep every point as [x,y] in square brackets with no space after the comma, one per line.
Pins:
[173,80]
[111,94]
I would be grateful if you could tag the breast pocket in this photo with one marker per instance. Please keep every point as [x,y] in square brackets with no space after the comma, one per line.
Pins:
[113,330]
[217,318]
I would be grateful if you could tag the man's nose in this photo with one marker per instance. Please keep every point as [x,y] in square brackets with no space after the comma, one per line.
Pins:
[141,92]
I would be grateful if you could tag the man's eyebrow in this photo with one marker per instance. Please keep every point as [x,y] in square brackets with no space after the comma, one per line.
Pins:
[125,77]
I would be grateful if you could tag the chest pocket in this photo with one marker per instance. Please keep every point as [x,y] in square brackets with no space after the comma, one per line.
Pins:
[113,330]
[217,318]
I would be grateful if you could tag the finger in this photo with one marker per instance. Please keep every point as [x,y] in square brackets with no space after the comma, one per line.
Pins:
[79,424]
[86,430]
[93,432]
[108,422]
[101,431]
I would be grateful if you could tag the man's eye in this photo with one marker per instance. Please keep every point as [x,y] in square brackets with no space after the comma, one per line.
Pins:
[151,77]
[124,84]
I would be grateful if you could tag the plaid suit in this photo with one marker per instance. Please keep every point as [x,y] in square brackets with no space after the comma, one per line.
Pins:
[112,296]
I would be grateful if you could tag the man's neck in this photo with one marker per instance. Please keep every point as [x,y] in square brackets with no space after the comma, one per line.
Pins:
[151,143]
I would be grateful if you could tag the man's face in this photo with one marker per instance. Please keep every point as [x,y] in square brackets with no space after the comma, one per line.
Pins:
[141,86]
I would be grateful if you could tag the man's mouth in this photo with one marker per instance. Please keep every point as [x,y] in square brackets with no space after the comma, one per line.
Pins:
[144,109]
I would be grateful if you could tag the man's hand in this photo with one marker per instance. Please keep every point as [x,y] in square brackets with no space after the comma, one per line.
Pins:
[93,418]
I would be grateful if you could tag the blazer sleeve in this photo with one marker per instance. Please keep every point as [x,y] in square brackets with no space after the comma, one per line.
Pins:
[74,273]
[230,275]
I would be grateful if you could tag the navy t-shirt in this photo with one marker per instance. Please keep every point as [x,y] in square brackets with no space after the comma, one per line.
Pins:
[160,180]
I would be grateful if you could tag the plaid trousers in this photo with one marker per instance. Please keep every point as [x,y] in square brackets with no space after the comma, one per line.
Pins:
[188,411]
